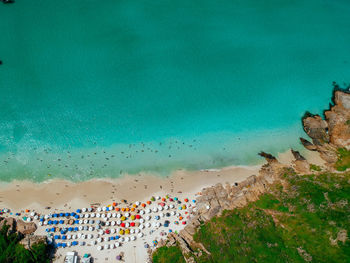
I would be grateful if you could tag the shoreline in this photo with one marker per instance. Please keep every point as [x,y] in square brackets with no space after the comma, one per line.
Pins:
[61,193]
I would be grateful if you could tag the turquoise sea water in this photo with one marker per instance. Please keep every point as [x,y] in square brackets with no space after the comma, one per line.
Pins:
[99,88]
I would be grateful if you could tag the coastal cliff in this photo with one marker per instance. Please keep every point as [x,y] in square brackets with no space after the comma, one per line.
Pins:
[330,137]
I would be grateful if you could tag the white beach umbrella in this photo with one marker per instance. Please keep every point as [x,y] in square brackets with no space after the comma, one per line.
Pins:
[148,210]
[121,239]
[46,216]
[45,223]
[99,247]
[99,240]
[118,222]
[69,237]
[83,210]
[80,221]
[98,215]
[86,221]
[112,231]
[140,235]
[142,212]
[133,238]
[148,217]
[103,215]
[208,207]
[157,197]
[154,224]
[83,236]
[93,242]
[32,214]
[107,223]
[127,224]
[104,208]
[87,215]
[171,206]
[36,217]
[101,232]
[69,244]
[137,203]
[114,215]
[137,230]
[172,213]
[141,226]
[91,228]
[29,219]
[162,215]
[166,207]
[79,235]
[86,228]
[142,220]
[109,215]
[157,224]
[99,209]
[90,209]
[127,214]
[127,239]
[40,223]
[155,209]
[113,223]
[132,231]
[107,239]
[148,225]
[160,208]
[119,215]
[106,246]
[80,228]
[74,236]
[81,243]
[92,215]
[105,219]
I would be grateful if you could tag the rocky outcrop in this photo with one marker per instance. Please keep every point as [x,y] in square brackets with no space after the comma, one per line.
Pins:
[26,228]
[18,226]
[300,164]
[333,131]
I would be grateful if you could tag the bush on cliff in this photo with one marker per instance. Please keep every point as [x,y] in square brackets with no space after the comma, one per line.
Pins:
[12,251]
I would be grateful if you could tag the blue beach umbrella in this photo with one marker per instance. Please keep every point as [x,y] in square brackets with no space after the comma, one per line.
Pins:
[64,237]
[56,237]
[47,229]
[70,229]
[117,237]
[64,245]
[55,222]
[76,216]
[41,219]
[61,214]
[61,222]
[66,214]
[54,215]
[53,229]
[112,238]
[78,211]
[72,214]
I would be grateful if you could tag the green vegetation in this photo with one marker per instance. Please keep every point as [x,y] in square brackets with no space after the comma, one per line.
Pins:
[13,252]
[307,220]
[343,159]
[168,254]
[314,167]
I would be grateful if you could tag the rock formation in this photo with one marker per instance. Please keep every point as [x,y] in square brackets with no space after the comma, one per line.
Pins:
[331,133]
[300,164]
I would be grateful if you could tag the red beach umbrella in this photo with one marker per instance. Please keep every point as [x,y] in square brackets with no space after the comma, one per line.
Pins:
[122,224]
[138,216]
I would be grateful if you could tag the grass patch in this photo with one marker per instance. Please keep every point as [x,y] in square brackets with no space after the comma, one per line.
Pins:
[168,254]
[314,167]
[343,162]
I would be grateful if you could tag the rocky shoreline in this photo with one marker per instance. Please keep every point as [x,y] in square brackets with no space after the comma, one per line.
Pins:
[327,136]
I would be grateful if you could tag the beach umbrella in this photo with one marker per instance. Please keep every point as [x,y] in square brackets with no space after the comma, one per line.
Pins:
[148,217]
[142,212]
[79,235]
[61,221]
[62,214]
[127,224]
[69,237]
[83,210]
[133,238]
[80,228]
[106,246]
[157,217]
[104,208]
[132,231]
[109,215]
[117,244]
[184,222]
[141,226]
[117,237]
[93,242]
[117,209]
[99,247]
[137,203]
[107,208]
[75,243]
[83,236]
[162,215]
[127,239]
[91,228]
[148,202]
[138,216]
[119,215]
[122,224]
[40,223]
[143,205]
[67,214]
[74,236]
[121,232]
[90,209]
[53,229]
[171,206]
[86,215]
[123,218]
[99,209]
[98,215]
[76,216]
[127,231]
[92,215]
[148,225]
[78,211]
[118,222]
[157,197]
[107,223]
[132,224]
[166,207]
[103,215]
[152,198]
[85,221]
[89,236]
[56,237]
[155,209]
[81,243]
[112,231]
[114,215]
[127,214]
[72,214]
[146,246]
[99,240]
[132,217]
[76,228]
[112,223]
[172,213]
[64,237]
[70,229]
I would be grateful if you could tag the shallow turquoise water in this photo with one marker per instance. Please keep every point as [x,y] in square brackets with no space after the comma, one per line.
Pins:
[99,88]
